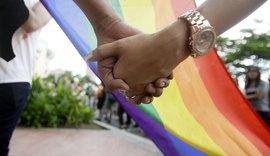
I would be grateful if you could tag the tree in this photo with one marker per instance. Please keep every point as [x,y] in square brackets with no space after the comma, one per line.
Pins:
[251,49]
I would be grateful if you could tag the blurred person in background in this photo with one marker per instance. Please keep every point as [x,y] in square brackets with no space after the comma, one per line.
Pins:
[124,119]
[75,86]
[108,105]
[256,91]
[101,99]
[269,90]
[90,90]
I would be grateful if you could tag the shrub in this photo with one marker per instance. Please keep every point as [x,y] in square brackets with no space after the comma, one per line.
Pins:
[51,105]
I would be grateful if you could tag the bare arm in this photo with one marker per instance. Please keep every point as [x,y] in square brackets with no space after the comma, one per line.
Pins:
[223,14]
[256,96]
[99,12]
[38,17]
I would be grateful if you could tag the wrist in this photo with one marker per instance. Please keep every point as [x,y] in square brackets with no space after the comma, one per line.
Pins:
[181,27]
[176,36]
[105,23]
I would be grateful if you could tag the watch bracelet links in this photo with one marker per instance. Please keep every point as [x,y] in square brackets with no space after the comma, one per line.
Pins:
[194,18]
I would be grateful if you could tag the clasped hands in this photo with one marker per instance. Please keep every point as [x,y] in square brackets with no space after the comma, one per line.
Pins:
[139,64]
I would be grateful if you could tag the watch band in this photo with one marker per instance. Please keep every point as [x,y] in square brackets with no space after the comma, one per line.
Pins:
[194,18]
[197,24]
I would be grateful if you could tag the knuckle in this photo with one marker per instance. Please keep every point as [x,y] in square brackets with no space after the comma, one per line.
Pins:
[159,92]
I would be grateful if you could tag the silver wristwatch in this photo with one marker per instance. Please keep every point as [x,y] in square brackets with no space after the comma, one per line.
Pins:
[202,35]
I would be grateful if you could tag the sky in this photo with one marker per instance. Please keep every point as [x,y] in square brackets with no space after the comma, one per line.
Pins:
[65,55]
[67,58]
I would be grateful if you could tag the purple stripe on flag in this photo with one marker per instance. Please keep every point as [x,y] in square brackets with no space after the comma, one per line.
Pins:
[150,127]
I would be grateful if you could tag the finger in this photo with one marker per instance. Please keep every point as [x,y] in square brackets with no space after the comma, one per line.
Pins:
[170,77]
[147,99]
[152,91]
[162,83]
[105,68]
[136,90]
[102,52]
[113,84]
[158,92]
[130,95]
[135,99]
[116,84]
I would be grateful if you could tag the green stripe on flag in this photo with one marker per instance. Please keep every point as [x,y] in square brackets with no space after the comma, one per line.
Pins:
[117,7]
[150,110]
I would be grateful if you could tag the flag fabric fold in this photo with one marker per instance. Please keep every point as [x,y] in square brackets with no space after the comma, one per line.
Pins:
[202,112]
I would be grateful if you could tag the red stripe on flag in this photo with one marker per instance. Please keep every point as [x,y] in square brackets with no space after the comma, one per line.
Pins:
[231,102]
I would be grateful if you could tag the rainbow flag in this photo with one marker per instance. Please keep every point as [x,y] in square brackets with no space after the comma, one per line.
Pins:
[202,112]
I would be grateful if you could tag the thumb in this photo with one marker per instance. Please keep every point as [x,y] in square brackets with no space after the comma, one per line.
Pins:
[105,71]
[102,52]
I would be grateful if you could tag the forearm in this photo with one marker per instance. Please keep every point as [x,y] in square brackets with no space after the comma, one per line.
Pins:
[38,17]
[99,12]
[223,14]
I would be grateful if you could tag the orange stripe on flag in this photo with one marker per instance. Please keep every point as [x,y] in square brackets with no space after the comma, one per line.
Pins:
[231,103]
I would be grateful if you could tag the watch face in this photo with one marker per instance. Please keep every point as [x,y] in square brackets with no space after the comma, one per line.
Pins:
[205,41]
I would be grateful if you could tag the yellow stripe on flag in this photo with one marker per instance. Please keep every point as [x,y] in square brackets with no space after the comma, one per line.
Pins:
[179,121]
[139,13]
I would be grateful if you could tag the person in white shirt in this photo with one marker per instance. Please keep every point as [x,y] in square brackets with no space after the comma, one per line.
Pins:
[16,73]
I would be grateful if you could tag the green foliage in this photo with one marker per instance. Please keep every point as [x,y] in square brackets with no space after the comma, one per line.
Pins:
[54,106]
[252,47]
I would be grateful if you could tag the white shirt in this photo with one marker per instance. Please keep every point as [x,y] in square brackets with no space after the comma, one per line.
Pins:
[19,69]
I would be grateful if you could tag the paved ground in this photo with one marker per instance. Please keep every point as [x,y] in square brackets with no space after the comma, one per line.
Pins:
[131,129]
[107,141]
[114,121]
[72,142]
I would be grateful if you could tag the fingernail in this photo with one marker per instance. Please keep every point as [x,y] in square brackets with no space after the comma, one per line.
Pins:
[89,56]
[147,101]
[162,84]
